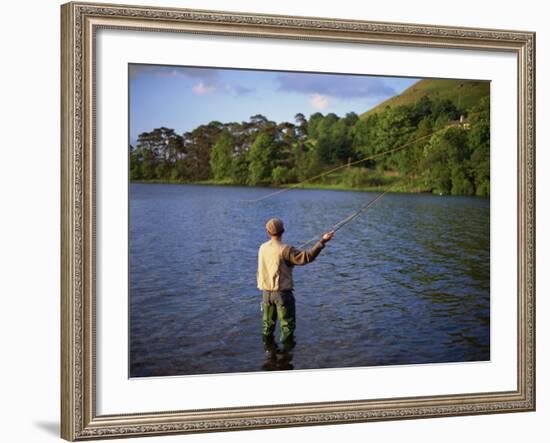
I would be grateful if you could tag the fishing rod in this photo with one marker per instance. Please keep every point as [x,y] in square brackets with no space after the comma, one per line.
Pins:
[349,218]
[345,221]
[337,168]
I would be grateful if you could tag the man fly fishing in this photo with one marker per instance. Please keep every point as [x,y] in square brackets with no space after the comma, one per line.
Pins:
[274,276]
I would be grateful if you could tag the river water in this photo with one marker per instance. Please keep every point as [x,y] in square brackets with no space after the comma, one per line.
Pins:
[405,283]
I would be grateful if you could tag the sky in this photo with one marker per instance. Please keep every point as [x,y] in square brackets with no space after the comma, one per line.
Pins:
[183,98]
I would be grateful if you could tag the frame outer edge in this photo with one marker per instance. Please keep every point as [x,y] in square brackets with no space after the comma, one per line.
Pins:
[78,420]
[67,224]
[534,215]
[526,223]
[531,129]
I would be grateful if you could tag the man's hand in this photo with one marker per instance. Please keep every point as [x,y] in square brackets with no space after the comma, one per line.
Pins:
[327,236]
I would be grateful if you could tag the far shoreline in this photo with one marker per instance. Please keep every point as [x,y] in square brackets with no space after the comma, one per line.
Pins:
[313,186]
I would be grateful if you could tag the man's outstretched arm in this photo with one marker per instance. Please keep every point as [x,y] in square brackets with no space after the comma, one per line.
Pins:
[298,257]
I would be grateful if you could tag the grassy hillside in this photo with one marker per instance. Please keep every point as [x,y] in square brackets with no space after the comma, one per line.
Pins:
[463,93]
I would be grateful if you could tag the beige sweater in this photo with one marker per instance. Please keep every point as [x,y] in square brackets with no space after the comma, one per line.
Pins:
[275,263]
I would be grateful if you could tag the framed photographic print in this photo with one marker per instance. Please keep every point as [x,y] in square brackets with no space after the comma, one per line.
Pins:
[280,221]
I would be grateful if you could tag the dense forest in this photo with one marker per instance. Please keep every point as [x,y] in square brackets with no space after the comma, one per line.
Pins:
[262,152]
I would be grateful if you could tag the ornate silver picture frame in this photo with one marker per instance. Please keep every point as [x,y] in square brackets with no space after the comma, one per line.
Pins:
[80,22]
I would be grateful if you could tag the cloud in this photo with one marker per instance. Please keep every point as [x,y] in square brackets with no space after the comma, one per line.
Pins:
[202,73]
[319,102]
[243,90]
[203,89]
[205,74]
[209,79]
[238,89]
[335,85]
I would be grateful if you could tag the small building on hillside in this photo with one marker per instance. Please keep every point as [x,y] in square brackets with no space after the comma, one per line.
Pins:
[464,123]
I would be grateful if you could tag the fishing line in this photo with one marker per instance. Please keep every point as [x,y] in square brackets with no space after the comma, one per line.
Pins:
[365,207]
[330,171]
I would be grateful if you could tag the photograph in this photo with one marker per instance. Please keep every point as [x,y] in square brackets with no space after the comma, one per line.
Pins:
[289,220]
[272,219]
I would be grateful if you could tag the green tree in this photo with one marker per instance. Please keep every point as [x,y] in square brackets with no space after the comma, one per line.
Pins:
[307,162]
[479,140]
[461,181]
[136,160]
[394,129]
[261,158]
[411,159]
[446,168]
[221,155]
[156,153]
[197,145]
[148,166]
[281,175]
[313,125]
[365,137]
[445,107]
[330,135]
[239,169]
[301,125]
[422,108]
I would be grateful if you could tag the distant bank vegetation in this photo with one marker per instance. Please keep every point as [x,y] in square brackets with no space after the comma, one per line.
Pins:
[262,152]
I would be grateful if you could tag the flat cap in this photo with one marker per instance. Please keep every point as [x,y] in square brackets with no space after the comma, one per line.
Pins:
[275,226]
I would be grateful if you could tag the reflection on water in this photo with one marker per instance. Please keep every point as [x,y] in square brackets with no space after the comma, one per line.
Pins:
[277,358]
[405,283]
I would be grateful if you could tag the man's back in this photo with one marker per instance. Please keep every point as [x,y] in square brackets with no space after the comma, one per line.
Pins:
[275,262]
[274,273]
